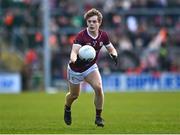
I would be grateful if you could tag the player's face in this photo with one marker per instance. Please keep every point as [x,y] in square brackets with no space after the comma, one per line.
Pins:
[93,24]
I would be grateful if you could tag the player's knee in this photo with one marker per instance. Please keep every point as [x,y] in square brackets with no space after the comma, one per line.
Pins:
[98,86]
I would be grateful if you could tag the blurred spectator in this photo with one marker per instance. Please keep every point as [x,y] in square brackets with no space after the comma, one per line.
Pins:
[145,32]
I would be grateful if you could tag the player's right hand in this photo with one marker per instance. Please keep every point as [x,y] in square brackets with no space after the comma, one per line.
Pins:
[80,62]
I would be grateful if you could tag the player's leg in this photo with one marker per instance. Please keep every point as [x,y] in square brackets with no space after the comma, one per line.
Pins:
[74,90]
[74,80]
[94,79]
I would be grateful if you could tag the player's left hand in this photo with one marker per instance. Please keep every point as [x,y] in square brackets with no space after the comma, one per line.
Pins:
[114,58]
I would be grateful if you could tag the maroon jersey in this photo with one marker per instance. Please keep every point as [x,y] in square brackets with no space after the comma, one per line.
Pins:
[83,38]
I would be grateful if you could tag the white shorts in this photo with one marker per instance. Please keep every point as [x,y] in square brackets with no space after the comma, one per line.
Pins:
[76,77]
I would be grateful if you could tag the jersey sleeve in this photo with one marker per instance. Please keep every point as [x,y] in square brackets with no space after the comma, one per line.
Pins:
[105,39]
[78,39]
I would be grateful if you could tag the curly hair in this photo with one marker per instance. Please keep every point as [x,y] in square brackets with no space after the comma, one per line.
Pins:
[93,12]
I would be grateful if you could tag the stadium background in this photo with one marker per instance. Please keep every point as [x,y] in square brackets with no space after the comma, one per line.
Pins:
[146,34]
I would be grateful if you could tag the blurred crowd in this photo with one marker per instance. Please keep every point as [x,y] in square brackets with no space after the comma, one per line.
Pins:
[146,34]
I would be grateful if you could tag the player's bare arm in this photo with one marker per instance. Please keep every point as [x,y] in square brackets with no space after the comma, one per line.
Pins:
[74,52]
[111,50]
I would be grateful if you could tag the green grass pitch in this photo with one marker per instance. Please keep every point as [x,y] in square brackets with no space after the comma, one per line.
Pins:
[141,112]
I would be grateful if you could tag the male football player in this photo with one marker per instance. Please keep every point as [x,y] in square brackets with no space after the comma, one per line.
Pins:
[79,70]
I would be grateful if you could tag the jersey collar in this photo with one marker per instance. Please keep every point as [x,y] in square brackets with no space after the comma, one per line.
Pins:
[91,35]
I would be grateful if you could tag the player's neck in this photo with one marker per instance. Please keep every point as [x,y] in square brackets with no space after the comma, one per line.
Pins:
[93,34]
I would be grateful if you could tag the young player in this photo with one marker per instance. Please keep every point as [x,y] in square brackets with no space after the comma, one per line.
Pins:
[79,70]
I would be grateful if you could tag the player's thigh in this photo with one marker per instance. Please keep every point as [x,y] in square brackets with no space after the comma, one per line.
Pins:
[94,79]
[74,89]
